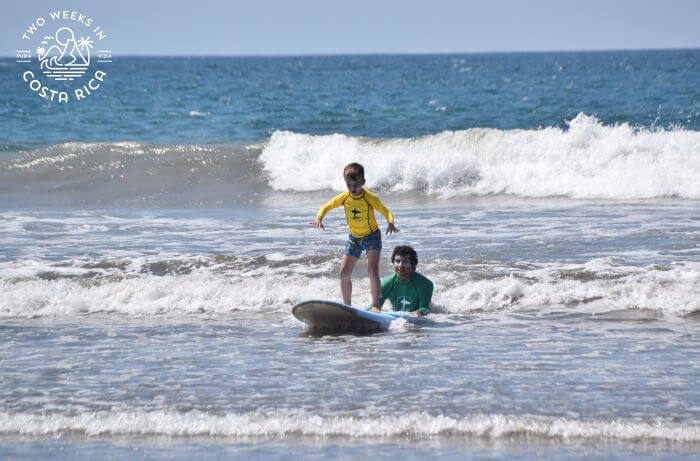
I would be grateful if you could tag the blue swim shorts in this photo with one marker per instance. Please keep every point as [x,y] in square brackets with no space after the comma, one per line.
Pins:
[356,245]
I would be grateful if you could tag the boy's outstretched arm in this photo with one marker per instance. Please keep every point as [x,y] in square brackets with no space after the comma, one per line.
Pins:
[318,222]
[384,211]
[334,203]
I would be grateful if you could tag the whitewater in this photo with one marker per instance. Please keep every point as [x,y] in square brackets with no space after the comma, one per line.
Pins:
[587,160]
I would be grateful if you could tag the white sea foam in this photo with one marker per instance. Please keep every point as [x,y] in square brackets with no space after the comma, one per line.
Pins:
[199,292]
[271,424]
[246,286]
[589,160]
[675,291]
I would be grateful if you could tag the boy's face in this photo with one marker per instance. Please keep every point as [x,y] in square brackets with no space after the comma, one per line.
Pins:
[403,267]
[354,185]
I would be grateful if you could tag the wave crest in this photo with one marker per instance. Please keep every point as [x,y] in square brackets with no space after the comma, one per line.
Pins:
[195,423]
[586,161]
[589,160]
[221,285]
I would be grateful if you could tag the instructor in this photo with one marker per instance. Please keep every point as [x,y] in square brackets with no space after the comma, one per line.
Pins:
[405,288]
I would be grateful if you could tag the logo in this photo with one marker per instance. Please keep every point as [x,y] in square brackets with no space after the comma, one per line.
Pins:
[404,301]
[65,56]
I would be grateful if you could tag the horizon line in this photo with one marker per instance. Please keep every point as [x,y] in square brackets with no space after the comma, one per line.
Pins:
[398,53]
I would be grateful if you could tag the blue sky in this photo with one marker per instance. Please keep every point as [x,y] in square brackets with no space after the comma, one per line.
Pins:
[265,27]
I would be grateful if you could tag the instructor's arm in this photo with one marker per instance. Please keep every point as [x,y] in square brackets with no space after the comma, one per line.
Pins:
[425,295]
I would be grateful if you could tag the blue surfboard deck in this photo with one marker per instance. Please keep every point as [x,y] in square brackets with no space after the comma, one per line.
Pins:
[332,316]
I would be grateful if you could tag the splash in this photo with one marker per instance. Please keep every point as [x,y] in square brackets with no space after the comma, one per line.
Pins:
[587,161]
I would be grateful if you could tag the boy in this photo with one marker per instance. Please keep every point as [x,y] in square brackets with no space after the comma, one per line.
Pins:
[359,207]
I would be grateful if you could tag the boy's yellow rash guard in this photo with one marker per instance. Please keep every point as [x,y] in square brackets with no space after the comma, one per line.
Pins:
[359,211]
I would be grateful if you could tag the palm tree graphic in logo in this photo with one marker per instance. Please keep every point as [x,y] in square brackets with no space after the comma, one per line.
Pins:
[67,58]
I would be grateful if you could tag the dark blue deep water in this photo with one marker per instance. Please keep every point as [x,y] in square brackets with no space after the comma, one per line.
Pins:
[152,99]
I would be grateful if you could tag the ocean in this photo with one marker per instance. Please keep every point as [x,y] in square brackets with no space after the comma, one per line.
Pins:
[155,236]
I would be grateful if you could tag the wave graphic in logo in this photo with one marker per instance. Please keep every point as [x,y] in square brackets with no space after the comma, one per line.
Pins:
[67,58]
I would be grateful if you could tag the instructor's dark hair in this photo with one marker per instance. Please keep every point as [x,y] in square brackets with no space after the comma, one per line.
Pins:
[405,250]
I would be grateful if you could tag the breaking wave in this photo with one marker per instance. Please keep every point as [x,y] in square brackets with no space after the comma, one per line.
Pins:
[589,160]
[270,424]
[586,161]
[222,284]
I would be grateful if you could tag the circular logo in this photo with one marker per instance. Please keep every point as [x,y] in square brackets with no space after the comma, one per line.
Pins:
[65,55]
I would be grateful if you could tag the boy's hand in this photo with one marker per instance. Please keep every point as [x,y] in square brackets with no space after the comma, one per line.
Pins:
[391,229]
[317,223]
[375,309]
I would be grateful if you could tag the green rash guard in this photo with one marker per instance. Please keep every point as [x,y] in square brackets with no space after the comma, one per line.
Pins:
[412,295]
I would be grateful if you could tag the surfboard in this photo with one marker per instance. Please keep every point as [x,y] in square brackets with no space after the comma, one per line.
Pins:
[332,316]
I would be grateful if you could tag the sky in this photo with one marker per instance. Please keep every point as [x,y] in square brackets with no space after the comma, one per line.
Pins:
[294,27]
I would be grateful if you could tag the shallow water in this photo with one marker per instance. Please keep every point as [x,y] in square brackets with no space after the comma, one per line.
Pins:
[559,384]
[559,328]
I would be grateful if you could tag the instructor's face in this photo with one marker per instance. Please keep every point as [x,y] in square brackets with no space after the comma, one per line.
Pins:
[403,267]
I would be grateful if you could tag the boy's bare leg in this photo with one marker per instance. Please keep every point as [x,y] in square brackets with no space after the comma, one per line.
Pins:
[347,264]
[373,272]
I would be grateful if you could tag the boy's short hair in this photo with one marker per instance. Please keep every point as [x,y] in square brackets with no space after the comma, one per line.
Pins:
[405,250]
[354,171]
